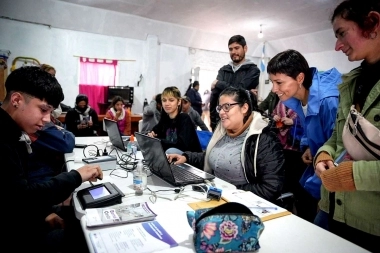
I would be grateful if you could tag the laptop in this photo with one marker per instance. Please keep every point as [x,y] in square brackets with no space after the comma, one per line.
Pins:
[176,175]
[113,132]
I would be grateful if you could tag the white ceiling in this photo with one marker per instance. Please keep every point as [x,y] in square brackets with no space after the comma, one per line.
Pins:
[279,18]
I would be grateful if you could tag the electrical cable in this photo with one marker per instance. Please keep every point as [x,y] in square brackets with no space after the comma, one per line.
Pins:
[91,153]
[154,196]
[63,165]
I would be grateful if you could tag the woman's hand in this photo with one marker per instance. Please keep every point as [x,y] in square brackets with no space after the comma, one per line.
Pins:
[322,166]
[287,121]
[177,159]
[152,134]
[276,118]
[118,113]
[81,126]
[307,157]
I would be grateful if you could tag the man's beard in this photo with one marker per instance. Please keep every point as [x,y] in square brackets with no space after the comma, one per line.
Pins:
[240,58]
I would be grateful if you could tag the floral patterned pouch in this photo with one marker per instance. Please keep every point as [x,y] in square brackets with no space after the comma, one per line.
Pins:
[230,227]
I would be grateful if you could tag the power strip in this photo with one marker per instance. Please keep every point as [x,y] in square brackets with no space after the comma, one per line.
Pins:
[105,162]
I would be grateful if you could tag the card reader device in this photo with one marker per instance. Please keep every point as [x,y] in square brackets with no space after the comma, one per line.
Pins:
[100,195]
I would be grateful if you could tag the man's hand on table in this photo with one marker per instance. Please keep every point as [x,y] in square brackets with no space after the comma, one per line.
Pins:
[90,173]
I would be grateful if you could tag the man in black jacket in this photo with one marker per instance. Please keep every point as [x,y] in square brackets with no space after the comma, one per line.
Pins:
[32,94]
[240,72]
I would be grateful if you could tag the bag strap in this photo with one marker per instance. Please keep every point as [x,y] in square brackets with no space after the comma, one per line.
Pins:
[255,156]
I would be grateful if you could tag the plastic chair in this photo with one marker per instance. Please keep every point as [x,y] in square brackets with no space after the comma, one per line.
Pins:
[204,138]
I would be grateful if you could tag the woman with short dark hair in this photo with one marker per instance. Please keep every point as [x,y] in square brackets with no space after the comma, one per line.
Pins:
[314,97]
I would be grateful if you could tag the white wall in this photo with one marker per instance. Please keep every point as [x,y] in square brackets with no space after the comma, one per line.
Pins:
[58,47]
[164,54]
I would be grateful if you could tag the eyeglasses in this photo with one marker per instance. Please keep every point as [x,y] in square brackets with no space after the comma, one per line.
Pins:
[226,107]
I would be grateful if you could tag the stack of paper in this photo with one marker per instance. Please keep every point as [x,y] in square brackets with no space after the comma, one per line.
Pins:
[259,206]
[139,237]
[119,214]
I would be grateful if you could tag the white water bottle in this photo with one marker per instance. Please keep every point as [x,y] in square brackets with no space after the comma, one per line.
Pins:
[139,178]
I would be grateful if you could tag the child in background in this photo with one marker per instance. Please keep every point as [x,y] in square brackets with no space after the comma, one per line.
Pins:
[118,113]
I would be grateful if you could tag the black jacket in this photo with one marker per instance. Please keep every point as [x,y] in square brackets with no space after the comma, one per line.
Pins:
[26,205]
[269,103]
[186,137]
[72,120]
[247,77]
[269,178]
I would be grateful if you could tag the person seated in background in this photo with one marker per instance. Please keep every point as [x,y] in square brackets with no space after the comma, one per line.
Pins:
[269,103]
[290,132]
[50,69]
[287,122]
[57,111]
[195,98]
[175,129]
[151,114]
[82,120]
[194,116]
[122,116]
[32,94]
[244,149]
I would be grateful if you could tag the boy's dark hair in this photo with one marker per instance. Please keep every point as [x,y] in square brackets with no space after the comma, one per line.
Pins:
[357,11]
[237,39]
[35,82]
[195,84]
[290,63]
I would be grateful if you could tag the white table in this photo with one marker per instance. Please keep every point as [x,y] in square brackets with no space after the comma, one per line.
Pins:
[286,234]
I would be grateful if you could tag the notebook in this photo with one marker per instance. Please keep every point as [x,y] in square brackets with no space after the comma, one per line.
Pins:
[113,132]
[155,159]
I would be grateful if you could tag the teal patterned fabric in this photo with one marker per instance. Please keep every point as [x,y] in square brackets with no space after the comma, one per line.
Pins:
[230,227]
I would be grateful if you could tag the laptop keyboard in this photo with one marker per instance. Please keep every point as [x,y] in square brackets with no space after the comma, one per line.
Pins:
[182,175]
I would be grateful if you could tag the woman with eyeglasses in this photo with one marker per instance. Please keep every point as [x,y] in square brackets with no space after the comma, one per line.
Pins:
[244,149]
[175,129]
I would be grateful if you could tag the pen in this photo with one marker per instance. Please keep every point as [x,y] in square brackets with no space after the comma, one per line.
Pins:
[263,207]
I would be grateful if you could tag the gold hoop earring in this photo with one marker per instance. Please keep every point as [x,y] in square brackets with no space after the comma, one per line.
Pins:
[373,35]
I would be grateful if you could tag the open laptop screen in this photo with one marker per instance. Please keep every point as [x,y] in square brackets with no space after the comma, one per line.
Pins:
[155,157]
[114,134]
